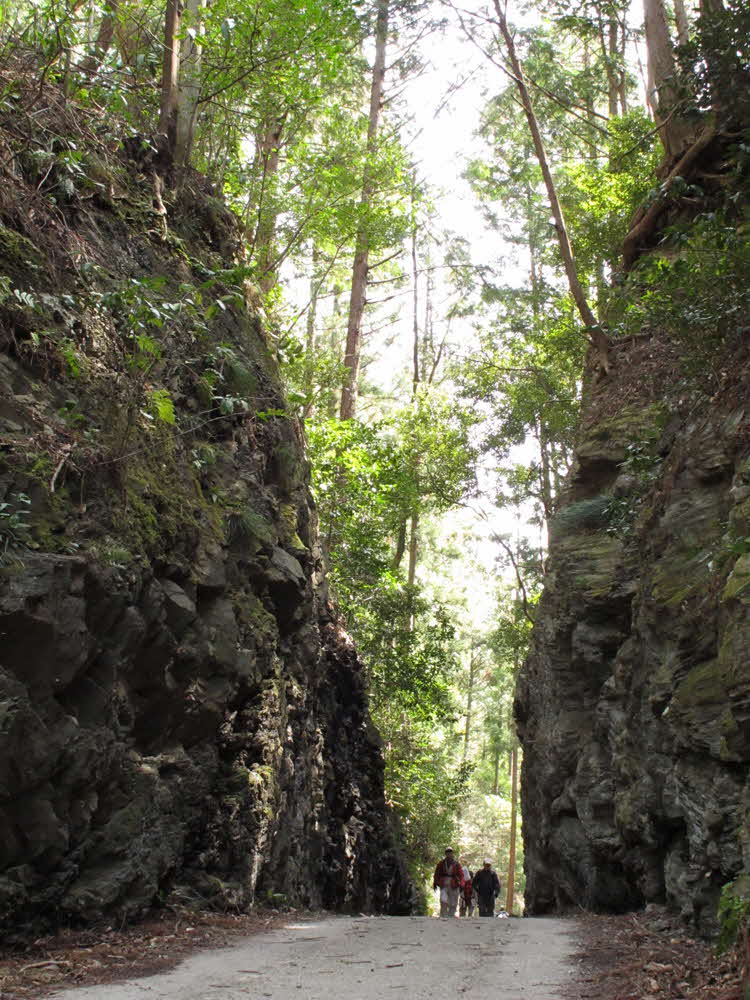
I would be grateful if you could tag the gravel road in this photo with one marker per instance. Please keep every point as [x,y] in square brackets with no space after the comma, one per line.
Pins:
[370,958]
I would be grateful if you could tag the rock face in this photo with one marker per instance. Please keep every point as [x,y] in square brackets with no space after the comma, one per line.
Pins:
[634,705]
[181,713]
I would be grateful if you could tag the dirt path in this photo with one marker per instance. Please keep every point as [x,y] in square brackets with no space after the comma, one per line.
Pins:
[371,958]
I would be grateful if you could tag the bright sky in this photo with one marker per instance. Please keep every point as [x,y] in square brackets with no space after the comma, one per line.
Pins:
[445,142]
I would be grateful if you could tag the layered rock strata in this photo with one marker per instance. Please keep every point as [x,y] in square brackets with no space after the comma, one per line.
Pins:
[634,705]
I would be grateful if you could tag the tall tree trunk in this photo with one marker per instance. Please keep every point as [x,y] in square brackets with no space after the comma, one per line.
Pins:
[170,74]
[546,473]
[190,82]
[674,134]
[413,547]
[398,555]
[469,700]
[312,311]
[267,158]
[92,63]
[613,60]
[566,250]
[623,83]
[415,309]
[681,22]
[610,57]
[496,775]
[335,348]
[362,247]
[513,826]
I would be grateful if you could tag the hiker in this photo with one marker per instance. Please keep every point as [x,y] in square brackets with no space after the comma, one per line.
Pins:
[449,879]
[466,901]
[487,887]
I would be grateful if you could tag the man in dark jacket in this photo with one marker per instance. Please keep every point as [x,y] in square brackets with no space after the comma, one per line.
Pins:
[487,888]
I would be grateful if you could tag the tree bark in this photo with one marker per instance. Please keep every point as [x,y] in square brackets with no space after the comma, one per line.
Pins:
[496,776]
[413,547]
[673,133]
[681,22]
[400,546]
[469,700]
[189,84]
[415,310]
[362,249]
[267,158]
[170,74]
[312,311]
[92,63]
[513,826]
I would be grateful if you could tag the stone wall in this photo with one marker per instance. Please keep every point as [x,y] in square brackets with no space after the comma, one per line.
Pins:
[634,705]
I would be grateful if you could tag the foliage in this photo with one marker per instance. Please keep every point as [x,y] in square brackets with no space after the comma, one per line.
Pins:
[734,918]
[15,528]
[675,290]
[601,195]
[716,61]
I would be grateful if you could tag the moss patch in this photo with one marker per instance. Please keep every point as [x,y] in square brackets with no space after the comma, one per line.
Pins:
[738,583]
[18,256]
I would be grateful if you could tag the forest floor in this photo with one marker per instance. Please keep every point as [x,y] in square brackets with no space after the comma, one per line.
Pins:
[649,956]
[644,956]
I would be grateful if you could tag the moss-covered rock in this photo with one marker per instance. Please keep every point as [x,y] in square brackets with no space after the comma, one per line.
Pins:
[177,714]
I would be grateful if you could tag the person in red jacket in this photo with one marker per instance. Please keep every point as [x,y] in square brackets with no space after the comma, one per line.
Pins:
[449,879]
[466,902]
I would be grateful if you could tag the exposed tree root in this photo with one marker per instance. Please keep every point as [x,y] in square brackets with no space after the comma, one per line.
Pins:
[646,217]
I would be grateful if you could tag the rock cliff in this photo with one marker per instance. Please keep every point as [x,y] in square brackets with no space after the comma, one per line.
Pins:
[634,705]
[181,714]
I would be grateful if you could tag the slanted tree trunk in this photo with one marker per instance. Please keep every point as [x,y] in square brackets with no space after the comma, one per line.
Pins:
[566,249]
[362,246]
[170,74]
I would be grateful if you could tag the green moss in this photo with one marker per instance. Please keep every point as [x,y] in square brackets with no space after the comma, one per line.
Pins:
[162,506]
[739,519]
[705,684]
[18,255]
[254,618]
[250,526]
[593,561]
[289,534]
[738,583]
[679,577]
[288,466]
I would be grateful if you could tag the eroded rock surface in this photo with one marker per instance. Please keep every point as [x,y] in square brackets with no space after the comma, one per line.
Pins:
[181,713]
[634,705]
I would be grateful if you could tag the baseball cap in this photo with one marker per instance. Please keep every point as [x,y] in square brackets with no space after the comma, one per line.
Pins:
[488,861]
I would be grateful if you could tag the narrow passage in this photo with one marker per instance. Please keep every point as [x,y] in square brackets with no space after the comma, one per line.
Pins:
[372,958]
